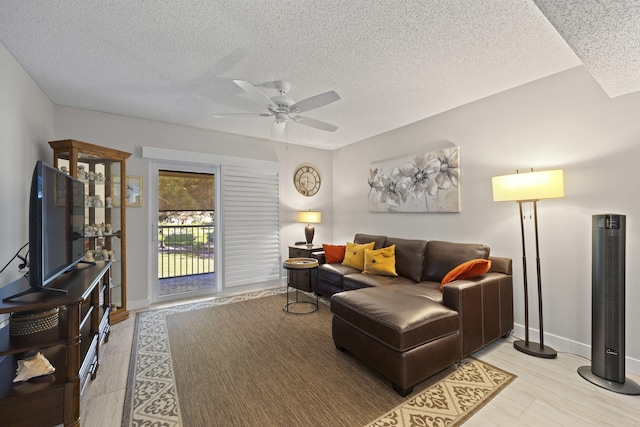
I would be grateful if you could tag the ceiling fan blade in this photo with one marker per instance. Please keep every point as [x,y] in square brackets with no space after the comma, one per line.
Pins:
[278,129]
[256,94]
[218,116]
[315,102]
[315,123]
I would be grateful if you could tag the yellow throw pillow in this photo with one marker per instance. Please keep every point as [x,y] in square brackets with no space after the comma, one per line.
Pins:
[354,255]
[381,262]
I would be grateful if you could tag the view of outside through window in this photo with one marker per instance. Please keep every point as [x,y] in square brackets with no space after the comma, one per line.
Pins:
[185,229]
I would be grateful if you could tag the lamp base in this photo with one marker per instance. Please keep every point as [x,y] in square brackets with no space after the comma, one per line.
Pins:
[309,231]
[534,349]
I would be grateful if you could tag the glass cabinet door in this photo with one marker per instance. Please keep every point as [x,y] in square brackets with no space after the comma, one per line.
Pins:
[102,170]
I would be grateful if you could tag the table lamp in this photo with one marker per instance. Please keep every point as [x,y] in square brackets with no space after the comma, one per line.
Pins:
[530,187]
[309,217]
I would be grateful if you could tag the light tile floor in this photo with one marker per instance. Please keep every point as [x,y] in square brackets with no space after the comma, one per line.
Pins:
[546,392]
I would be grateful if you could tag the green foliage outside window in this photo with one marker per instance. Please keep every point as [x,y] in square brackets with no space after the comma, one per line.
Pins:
[181,191]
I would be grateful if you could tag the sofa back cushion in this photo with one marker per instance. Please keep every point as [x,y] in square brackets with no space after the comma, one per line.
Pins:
[409,257]
[366,238]
[442,257]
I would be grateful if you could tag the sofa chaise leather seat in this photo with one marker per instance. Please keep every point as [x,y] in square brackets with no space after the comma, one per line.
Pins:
[404,327]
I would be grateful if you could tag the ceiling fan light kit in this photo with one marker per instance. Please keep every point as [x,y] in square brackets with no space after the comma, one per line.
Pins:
[283,108]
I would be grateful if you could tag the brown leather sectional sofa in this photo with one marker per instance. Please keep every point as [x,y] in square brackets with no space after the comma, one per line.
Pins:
[404,327]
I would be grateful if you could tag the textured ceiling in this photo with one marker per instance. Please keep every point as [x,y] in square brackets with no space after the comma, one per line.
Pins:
[605,34]
[392,62]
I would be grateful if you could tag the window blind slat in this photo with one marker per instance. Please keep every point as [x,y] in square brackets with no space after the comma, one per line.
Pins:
[251,225]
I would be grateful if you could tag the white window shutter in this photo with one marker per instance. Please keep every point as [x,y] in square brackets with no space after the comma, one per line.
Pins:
[250,225]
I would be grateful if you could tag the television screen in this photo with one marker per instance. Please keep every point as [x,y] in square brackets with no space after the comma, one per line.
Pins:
[56,220]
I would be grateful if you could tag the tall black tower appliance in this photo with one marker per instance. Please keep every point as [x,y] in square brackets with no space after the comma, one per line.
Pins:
[607,368]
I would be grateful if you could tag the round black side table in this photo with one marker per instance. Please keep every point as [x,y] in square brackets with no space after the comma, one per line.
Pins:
[300,272]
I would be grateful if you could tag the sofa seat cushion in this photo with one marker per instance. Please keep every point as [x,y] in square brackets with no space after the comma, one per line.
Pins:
[430,290]
[334,273]
[400,320]
[361,280]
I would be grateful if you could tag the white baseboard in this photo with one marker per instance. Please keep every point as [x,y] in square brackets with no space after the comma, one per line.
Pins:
[561,344]
[138,304]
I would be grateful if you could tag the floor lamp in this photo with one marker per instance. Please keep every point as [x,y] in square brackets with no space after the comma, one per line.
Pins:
[530,187]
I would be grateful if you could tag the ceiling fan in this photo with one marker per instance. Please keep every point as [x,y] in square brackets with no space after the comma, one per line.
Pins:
[284,108]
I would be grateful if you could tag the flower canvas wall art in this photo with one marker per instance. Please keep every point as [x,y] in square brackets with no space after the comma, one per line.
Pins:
[425,182]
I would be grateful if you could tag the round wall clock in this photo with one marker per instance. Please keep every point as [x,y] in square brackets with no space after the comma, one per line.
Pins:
[307,180]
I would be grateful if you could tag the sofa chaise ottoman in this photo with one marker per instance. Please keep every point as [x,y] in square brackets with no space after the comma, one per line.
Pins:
[406,327]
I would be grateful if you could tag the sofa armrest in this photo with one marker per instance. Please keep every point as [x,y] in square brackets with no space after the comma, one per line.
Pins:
[501,265]
[485,307]
[319,256]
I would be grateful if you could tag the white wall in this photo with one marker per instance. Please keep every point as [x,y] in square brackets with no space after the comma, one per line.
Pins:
[564,121]
[130,135]
[27,121]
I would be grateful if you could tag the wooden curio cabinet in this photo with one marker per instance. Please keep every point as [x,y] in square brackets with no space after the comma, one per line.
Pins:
[103,170]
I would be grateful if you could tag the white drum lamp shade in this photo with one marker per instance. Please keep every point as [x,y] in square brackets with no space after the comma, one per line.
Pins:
[528,186]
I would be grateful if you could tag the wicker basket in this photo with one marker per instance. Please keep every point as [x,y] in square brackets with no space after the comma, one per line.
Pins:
[31,322]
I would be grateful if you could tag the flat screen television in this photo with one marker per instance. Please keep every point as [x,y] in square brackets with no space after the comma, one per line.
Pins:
[56,222]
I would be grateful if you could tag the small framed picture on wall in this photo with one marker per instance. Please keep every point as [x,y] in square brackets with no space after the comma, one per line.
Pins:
[133,191]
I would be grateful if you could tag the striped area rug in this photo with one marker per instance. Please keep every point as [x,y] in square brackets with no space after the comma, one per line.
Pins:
[180,373]
[151,398]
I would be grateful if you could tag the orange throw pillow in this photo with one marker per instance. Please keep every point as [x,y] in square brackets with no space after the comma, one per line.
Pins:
[467,270]
[333,253]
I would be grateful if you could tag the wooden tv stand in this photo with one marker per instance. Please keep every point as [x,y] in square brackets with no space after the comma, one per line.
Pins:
[72,347]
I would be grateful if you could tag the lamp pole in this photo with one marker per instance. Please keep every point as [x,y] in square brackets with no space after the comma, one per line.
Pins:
[525,346]
[524,273]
